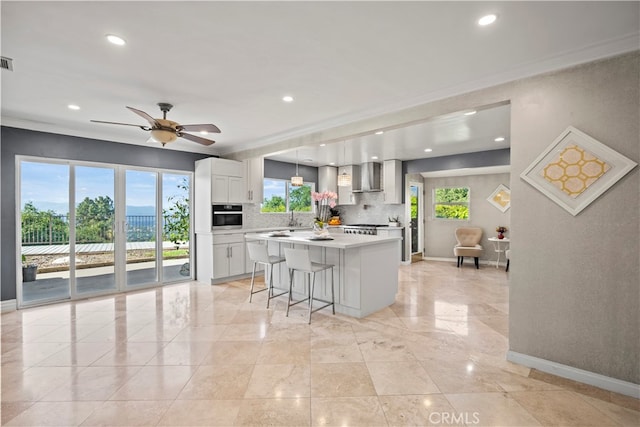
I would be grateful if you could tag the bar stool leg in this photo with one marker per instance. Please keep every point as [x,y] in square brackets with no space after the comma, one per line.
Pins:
[313,283]
[290,290]
[333,300]
[270,291]
[253,276]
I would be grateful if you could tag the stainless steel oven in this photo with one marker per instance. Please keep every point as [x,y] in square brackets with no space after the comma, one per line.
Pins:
[226,216]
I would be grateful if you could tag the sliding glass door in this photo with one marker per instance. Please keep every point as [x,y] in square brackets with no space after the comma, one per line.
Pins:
[44,225]
[176,227]
[91,229]
[95,237]
[141,227]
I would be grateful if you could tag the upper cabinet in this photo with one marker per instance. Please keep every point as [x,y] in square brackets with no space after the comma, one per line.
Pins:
[345,193]
[392,181]
[227,177]
[254,179]
[216,181]
[328,179]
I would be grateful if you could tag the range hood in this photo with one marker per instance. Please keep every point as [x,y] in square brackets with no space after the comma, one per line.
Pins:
[369,178]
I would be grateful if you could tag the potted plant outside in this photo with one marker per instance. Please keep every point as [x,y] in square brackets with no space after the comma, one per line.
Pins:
[28,270]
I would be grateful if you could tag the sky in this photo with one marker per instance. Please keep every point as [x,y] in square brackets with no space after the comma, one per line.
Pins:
[47,185]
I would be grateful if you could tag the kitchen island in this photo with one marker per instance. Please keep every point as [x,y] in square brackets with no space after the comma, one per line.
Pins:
[365,272]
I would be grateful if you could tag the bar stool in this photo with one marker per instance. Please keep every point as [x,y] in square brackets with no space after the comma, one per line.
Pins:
[299,260]
[259,255]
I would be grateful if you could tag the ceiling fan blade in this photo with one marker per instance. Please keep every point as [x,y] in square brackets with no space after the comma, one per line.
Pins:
[144,115]
[199,128]
[123,124]
[197,139]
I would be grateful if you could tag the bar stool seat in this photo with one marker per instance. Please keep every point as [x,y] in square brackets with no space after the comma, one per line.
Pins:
[259,255]
[299,260]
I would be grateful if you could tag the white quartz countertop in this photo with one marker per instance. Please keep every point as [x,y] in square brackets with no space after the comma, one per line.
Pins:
[252,230]
[339,240]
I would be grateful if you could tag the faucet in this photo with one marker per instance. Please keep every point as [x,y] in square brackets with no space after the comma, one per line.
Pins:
[292,222]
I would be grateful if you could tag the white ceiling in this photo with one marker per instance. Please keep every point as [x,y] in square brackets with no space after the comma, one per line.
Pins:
[230,63]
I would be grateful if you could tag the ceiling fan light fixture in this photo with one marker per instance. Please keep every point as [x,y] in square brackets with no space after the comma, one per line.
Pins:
[163,136]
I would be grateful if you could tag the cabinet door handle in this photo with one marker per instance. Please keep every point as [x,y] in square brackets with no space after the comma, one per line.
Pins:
[230,252]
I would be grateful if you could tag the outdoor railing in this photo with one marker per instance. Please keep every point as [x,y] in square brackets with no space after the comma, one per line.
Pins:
[54,230]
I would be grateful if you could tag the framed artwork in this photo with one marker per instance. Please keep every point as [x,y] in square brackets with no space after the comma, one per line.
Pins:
[501,198]
[576,169]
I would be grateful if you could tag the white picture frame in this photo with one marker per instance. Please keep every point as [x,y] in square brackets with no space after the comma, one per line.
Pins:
[500,198]
[576,169]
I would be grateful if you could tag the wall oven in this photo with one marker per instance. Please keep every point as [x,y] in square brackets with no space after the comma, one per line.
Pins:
[226,216]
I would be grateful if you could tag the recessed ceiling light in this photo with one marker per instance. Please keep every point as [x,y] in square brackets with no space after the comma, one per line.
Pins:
[323,145]
[308,160]
[470,113]
[487,20]
[73,107]
[428,150]
[374,157]
[204,132]
[287,98]
[118,41]
[499,139]
[380,132]
[332,163]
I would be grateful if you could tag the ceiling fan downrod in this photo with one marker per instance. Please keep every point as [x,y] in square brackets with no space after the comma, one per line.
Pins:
[165,108]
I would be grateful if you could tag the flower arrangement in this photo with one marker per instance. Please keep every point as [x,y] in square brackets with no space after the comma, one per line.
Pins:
[501,229]
[326,201]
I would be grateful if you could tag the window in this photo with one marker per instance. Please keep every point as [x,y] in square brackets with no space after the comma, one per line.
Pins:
[451,203]
[281,196]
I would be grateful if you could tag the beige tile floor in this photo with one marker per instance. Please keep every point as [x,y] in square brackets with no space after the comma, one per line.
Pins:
[199,355]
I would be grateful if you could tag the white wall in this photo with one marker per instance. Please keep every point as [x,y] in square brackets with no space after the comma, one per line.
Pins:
[440,234]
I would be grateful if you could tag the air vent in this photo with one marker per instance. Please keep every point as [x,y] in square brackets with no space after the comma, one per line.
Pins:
[6,63]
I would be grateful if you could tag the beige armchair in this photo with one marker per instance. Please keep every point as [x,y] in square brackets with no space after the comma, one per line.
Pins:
[468,244]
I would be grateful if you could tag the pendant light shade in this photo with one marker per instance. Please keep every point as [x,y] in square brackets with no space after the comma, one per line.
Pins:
[344,179]
[297,181]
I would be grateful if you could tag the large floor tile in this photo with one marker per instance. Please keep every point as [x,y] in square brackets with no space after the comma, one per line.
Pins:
[274,412]
[351,411]
[203,413]
[341,380]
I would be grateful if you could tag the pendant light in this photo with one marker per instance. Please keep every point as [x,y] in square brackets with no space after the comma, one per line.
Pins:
[344,179]
[297,181]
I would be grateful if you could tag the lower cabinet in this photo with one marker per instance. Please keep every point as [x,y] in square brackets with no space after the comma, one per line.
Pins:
[228,259]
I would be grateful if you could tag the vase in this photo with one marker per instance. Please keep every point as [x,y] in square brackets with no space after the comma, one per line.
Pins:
[500,236]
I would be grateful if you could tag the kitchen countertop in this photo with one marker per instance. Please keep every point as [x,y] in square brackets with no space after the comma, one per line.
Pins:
[340,240]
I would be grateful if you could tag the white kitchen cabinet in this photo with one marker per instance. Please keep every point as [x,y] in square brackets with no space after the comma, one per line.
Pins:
[345,193]
[228,260]
[228,255]
[392,182]
[328,179]
[216,181]
[227,189]
[202,191]
[254,177]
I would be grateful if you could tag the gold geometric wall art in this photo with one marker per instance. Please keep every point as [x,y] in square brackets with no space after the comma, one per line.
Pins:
[501,198]
[576,169]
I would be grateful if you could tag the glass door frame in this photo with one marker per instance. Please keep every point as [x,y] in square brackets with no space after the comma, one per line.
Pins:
[119,228]
[420,223]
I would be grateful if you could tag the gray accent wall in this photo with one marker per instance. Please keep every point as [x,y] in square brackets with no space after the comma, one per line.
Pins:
[53,146]
[575,280]
[478,159]
[281,170]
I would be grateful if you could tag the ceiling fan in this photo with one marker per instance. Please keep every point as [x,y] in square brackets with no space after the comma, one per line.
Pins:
[165,131]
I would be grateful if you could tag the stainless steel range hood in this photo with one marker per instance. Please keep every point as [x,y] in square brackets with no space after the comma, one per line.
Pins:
[369,178]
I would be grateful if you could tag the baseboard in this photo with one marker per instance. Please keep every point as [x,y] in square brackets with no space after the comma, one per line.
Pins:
[8,305]
[575,374]
[455,260]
